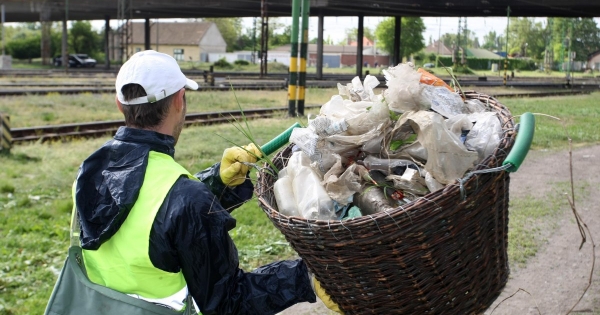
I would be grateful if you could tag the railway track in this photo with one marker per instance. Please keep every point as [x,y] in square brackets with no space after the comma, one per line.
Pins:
[102,128]
[267,86]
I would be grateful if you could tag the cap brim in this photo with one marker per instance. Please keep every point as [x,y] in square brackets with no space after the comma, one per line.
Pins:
[190,84]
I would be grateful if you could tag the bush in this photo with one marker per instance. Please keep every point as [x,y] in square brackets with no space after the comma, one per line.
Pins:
[240,62]
[222,63]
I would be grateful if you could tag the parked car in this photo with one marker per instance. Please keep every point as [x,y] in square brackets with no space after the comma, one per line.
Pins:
[428,65]
[76,61]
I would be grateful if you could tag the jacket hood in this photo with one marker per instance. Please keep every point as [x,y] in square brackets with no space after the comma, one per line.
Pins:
[110,179]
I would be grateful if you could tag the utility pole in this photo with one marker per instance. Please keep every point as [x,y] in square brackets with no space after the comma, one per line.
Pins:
[506,52]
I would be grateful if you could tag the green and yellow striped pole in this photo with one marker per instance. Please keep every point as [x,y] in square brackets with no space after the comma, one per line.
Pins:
[5,136]
[292,91]
[303,56]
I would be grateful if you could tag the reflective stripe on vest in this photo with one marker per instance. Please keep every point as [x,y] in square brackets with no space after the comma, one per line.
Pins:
[122,262]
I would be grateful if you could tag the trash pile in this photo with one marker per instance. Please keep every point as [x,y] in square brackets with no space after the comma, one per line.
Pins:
[367,153]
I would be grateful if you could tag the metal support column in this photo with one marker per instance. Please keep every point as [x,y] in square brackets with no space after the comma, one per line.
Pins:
[506,55]
[46,33]
[359,46]
[293,81]
[147,34]
[106,42]
[303,56]
[397,57]
[320,47]
[65,34]
[264,38]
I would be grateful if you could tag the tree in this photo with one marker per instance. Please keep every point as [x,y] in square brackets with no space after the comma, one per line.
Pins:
[25,47]
[492,41]
[352,34]
[526,38]
[411,36]
[230,28]
[82,39]
[582,34]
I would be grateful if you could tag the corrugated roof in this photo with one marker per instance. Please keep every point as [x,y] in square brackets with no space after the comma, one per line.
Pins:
[437,47]
[172,33]
[482,53]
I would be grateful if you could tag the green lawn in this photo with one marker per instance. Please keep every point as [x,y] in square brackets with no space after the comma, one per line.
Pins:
[36,178]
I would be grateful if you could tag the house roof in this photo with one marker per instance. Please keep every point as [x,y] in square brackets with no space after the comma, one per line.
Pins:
[327,49]
[482,53]
[594,54]
[172,33]
[441,50]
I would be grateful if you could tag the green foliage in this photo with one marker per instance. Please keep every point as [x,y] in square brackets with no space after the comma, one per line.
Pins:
[82,39]
[240,62]
[493,41]
[26,47]
[223,64]
[411,35]
[352,34]
[582,34]
[7,188]
[230,29]
[526,38]
[485,64]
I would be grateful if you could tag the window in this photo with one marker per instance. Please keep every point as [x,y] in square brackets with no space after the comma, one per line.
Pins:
[178,54]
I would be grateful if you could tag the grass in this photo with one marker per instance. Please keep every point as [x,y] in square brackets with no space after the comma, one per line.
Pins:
[35,184]
[531,220]
[53,108]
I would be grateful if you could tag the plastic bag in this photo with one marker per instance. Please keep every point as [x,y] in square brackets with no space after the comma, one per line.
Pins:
[444,102]
[405,92]
[371,200]
[459,125]
[410,182]
[284,195]
[310,196]
[430,79]
[485,135]
[447,158]
[341,183]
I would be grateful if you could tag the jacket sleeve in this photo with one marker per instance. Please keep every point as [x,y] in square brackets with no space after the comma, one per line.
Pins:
[209,262]
[229,197]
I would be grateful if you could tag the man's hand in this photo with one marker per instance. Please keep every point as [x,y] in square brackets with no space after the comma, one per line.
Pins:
[233,171]
[325,298]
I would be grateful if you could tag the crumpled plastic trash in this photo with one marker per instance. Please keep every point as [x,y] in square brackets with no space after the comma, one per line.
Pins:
[447,157]
[445,102]
[357,91]
[361,116]
[311,199]
[341,183]
[485,135]
[405,92]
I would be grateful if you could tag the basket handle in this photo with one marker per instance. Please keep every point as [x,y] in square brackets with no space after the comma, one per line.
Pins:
[279,141]
[525,130]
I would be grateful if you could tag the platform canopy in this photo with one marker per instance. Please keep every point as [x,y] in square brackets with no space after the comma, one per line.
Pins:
[30,10]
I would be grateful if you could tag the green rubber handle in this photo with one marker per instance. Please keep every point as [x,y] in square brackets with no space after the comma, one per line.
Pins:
[522,142]
[279,141]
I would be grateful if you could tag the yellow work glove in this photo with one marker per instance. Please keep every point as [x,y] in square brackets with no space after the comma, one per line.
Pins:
[325,298]
[232,171]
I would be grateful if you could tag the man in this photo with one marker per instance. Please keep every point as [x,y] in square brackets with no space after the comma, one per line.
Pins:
[152,230]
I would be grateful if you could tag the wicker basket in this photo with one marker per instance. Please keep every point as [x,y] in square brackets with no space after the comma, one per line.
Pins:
[445,253]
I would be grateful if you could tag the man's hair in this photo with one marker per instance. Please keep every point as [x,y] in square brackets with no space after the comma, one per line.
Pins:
[148,115]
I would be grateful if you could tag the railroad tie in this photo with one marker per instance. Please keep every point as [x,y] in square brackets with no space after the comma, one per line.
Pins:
[5,136]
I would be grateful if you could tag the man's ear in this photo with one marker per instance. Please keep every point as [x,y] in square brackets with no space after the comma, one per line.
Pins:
[178,101]
[119,105]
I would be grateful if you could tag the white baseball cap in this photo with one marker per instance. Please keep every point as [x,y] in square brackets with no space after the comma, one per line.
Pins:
[158,73]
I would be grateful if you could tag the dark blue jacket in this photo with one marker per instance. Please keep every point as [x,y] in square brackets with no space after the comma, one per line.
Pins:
[190,231]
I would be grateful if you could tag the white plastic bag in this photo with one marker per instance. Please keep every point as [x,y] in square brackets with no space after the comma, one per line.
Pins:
[405,92]
[485,135]
[447,158]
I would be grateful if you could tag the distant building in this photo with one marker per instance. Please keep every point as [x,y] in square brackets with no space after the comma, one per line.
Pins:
[438,48]
[185,41]
[594,60]
[336,56]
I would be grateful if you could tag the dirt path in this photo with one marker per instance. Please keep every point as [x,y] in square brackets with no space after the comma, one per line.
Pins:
[557,276]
